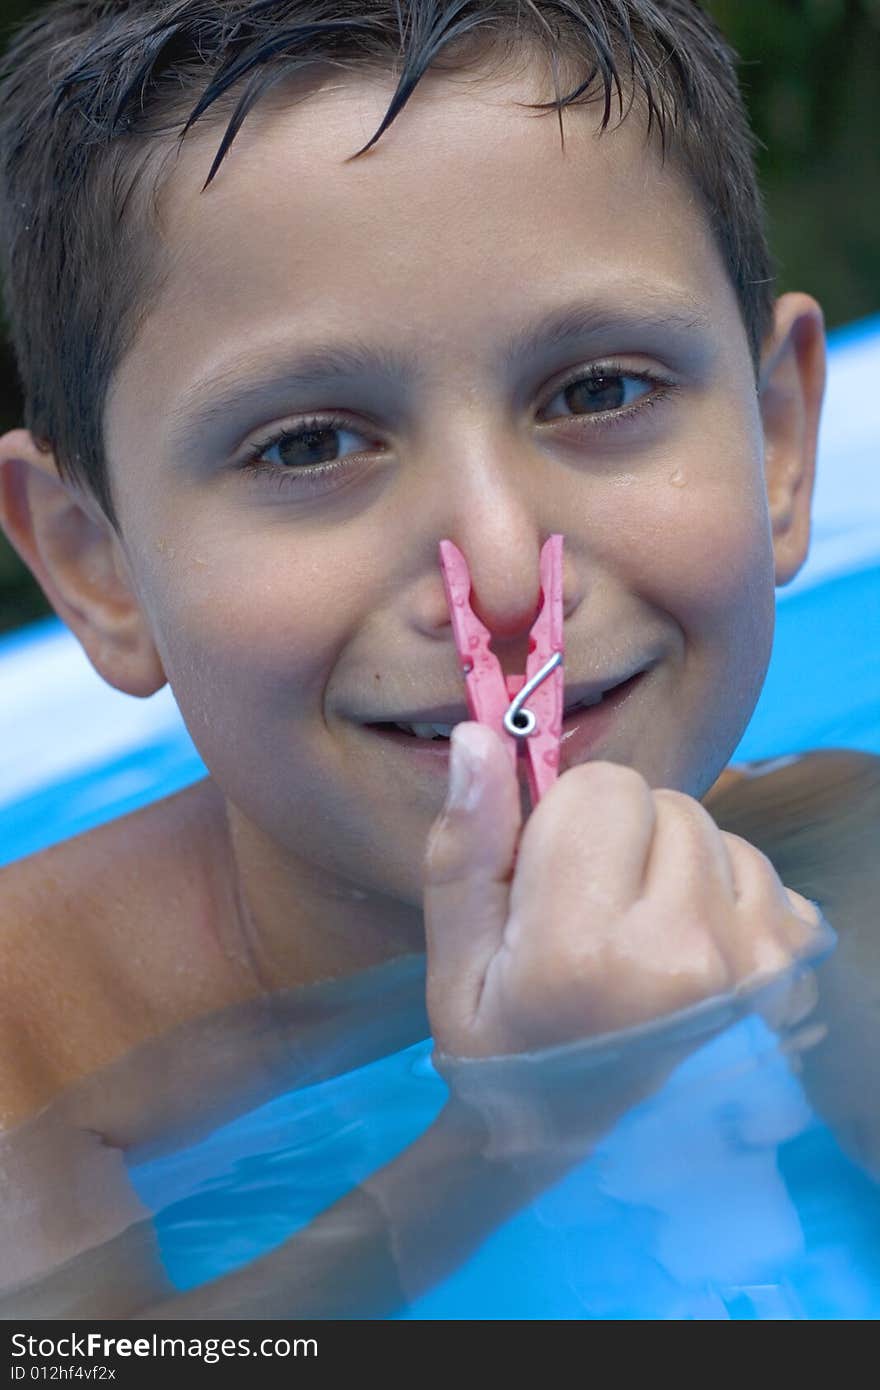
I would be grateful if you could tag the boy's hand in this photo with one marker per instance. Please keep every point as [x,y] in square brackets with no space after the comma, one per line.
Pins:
[614,905]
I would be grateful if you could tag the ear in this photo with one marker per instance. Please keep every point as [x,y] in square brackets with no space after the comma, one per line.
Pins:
[75,555]
[791,387]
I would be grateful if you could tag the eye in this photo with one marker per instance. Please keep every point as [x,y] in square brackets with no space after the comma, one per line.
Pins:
[312,446]
[604,390]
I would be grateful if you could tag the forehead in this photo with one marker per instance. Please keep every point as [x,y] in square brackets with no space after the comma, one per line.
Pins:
[466,217]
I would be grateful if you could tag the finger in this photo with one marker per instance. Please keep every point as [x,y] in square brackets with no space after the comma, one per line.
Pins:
[584,848]
[579,871]
[789,1002]
[806,910]
[804,921]
[469,862]
[761,935]
[688,891]
[689,865]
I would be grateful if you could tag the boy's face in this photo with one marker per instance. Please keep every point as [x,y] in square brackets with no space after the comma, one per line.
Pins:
[290,610]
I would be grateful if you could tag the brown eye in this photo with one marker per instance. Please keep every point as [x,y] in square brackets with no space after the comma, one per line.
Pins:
[596,393]
[314,443]
[603,390]
[304,448]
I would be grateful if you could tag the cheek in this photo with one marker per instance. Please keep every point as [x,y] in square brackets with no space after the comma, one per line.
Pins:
[704,551]
[247,628]
[705,563]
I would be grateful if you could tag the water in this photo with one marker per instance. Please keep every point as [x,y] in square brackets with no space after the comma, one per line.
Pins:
[721,1194]
[724,1196]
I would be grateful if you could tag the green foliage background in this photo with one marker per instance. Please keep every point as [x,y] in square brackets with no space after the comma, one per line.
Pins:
[811,76]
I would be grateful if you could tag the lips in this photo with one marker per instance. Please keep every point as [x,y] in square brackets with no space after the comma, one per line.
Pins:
[581,730]
[611,699]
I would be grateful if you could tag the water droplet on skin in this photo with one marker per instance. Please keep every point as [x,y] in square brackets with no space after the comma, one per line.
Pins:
[678,479]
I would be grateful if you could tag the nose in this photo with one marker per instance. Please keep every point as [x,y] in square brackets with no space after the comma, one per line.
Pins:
[505,591]
[499,509]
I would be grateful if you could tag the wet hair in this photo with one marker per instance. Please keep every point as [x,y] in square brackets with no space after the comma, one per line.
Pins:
[96,97]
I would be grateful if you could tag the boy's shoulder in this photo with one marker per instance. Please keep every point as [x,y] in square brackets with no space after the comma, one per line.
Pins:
[817,784]
[816,816]
[105,942]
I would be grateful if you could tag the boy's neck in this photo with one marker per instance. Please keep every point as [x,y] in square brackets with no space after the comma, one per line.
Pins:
[287,925]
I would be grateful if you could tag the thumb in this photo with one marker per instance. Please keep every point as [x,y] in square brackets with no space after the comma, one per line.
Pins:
[469,864]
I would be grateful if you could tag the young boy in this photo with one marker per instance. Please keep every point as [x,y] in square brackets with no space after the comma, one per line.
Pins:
[254,407]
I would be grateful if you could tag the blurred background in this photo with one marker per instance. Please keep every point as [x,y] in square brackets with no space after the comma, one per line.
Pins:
[811,76]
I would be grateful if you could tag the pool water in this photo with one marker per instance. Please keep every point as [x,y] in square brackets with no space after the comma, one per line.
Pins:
[723,1195]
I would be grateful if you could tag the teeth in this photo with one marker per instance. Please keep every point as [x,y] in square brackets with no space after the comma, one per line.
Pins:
[427,730]
[432,731]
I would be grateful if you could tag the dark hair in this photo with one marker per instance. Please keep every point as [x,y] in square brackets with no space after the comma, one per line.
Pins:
[82,83]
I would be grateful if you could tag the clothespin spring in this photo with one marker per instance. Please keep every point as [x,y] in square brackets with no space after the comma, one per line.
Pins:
[513,719]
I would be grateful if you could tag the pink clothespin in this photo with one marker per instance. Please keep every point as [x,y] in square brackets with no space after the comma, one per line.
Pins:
[525,710]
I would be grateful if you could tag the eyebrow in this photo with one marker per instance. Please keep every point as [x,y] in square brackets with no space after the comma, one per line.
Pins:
[241,382]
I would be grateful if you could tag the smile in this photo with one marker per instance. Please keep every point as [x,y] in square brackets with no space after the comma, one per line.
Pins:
[584,723]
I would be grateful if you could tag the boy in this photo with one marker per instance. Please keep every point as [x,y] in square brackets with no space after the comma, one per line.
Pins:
[269,396]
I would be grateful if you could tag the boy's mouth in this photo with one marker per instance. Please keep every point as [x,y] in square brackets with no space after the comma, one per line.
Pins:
[586,716]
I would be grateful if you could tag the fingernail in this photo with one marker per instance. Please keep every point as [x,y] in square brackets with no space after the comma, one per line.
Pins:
[465,769]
